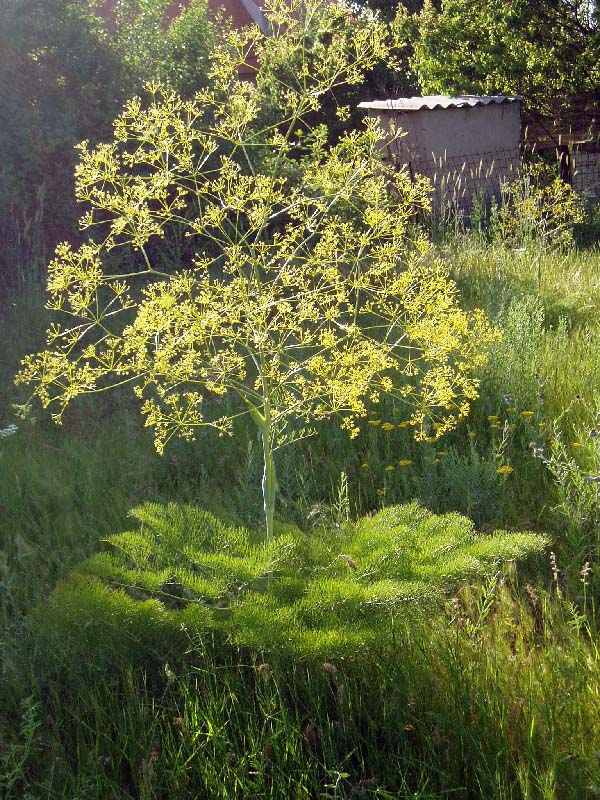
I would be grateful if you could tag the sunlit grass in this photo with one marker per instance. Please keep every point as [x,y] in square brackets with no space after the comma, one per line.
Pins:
[498,699]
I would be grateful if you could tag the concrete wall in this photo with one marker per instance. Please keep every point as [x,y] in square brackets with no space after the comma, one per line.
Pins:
[465,152]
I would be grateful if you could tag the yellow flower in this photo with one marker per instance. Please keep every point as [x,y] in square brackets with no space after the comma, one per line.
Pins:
[390,468]
[513,427]
[380,492]
[510,410]
[493,418]
[374,422]
[527,414]
[437,426]
[436,461]
[542,424]
[405,424]
[387,426]
[365,465]
[442,453]
[406,462]
[495,425]
[577,444]
[504,470]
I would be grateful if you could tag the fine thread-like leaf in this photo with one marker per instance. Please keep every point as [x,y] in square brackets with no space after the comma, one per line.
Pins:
[332,590]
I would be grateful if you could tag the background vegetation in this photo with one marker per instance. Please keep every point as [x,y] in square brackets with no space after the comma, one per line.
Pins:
[489,690]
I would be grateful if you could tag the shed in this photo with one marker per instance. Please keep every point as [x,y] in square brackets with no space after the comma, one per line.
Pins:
[467,146]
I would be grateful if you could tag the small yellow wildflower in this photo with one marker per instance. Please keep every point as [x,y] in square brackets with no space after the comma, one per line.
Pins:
[390,468]
[436,461]
[492,418]
[504,470]
[442,453]
[405,424]
[510,410]
[406,462]
[388,426]
[527,414]
[542,424]
[495,425]
[437,426]
[374,422]
[513,426]
[380,492]
[365,465]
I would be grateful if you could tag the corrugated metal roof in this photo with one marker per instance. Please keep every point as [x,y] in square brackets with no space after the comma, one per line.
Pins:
[437,101]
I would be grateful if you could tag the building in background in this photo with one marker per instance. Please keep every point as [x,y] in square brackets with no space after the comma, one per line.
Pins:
[467,146]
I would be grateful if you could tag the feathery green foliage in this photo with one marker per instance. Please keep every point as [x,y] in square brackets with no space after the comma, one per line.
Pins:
[336,590]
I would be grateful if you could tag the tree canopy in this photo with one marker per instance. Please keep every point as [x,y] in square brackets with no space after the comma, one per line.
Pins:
[546,50]
[60,81]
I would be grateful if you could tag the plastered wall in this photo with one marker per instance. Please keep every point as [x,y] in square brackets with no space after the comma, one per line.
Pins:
[465,152]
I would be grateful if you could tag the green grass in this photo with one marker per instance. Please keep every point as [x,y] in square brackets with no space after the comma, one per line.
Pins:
[495,697]
[499,700]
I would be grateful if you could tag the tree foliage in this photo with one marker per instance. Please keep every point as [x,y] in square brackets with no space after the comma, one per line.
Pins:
[543,50]
[154,46]
[306,295]
[60,81]
[63,78]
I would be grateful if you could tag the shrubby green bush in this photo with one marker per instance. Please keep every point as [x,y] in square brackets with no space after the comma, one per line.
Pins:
[64,75]
[183,573]
[156,47]
[60,81]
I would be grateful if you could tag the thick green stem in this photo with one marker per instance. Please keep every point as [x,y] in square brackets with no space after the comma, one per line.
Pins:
[269,484]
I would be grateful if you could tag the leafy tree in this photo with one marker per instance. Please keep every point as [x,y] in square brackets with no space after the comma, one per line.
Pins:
[545,50]
[156,46]
[63,78]
[60,81]
[306,295]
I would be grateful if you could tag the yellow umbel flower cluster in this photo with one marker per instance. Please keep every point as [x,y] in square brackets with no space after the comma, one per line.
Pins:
[307,293]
